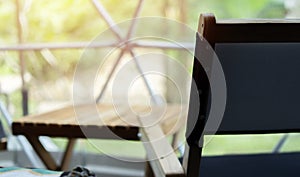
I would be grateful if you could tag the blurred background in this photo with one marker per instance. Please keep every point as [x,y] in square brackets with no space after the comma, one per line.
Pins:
[46,75]
[49,73]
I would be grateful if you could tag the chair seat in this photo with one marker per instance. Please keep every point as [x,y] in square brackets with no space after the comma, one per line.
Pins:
[258,165]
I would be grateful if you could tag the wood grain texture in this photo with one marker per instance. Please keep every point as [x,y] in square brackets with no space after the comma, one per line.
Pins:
[97,121]
[160,153]
[248,30]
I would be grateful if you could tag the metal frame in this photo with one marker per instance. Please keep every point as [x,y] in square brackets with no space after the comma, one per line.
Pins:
[128,46]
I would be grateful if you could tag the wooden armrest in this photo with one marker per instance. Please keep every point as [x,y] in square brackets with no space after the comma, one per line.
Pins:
[160,153]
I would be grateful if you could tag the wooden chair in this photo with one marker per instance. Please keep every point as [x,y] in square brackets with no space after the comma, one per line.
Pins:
[261,65]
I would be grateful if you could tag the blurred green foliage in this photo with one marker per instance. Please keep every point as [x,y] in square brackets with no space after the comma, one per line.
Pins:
[46,21]
[224,9]
[78,20]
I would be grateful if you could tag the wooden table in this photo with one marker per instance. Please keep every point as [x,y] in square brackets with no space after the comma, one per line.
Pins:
[101,121]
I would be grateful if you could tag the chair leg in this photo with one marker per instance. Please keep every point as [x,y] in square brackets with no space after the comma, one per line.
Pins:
[148,170]
[191,161]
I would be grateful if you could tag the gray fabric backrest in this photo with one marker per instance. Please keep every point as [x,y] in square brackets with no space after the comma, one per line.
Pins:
[263,87]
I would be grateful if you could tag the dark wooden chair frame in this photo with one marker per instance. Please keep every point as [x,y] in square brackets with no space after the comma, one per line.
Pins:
[227,31]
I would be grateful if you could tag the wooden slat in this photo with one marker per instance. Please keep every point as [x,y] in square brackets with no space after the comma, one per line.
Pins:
[163,160]
[69,131]
[237,31]
[171,117]
[174,119]
[92,121]
[257,21]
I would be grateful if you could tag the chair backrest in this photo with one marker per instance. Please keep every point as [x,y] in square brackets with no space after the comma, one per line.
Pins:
[261,64]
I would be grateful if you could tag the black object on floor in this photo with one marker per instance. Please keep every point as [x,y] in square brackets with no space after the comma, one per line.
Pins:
[79,171]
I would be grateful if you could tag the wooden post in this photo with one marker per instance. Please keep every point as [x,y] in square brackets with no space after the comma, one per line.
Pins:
[24,90]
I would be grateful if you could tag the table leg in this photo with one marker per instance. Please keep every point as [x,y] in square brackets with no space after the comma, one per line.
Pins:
[42,152]
[46,157]
[68,154]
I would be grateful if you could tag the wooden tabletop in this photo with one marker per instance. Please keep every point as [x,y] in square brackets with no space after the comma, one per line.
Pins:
[104,121]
